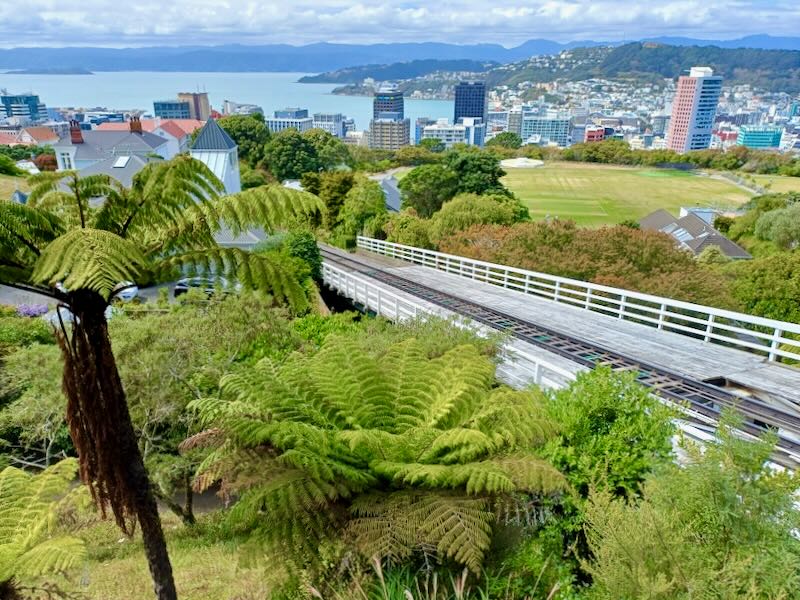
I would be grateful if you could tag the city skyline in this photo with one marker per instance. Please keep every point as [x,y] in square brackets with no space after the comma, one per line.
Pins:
[198,22]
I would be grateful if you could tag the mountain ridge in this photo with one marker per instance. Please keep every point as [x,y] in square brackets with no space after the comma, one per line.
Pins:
[321,56]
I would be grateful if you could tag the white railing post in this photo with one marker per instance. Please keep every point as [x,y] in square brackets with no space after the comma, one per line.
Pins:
[537,373]
[527,283]
[662,313]
[556,291]
[588,302]
[776,342]
[622,303]
[709,328]
[378,301]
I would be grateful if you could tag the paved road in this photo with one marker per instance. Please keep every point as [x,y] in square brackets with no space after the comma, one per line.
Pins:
[14,297]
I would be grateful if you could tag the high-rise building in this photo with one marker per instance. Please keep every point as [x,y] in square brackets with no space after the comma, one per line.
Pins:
[546,130]
[660,124]
[25,107]
[693,110]
[236,108]
[333,123]
[469,130]
[765,136]
[419,126]
[470,100]
[171,109]
[199,108]
[515,121]
[388,104]
[291,113]
[389,134]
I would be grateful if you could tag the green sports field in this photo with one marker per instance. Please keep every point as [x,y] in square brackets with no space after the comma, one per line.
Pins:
[778,183]
[596,195]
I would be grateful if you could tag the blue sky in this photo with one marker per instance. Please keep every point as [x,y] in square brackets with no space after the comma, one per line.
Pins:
[508,22]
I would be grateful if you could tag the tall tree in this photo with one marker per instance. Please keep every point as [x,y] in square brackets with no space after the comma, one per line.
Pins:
[330,150]
[61,245]
[426,188]
[477,172]
[288,155]
[249,133]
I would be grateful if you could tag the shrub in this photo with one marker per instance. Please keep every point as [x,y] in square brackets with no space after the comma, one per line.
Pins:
[21,331]
[396,452]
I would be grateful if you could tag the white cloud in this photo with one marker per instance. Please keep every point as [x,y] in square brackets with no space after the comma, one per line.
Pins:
[509,22]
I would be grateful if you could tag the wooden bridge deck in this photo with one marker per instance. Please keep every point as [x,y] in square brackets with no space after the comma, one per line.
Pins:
[750,373]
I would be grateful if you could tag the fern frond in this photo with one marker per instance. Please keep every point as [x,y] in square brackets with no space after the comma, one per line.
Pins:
[55,555]
[27,507]
[268,207]
[459,527]
[531,474]
[253,271]
[89,259]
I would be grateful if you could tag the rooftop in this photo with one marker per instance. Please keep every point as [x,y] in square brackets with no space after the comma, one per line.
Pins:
[213,137]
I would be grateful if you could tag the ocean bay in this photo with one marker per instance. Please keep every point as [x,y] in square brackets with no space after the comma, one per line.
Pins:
[127,90]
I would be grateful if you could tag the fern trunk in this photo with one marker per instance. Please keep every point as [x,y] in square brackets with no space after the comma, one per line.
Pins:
[102,431]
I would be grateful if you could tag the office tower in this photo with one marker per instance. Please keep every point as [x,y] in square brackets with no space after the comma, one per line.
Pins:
[388,104]
[693,110]
[199,108]
[171,109]
[764,137]
[389,134]
[333,123]
[470,100]
[25,107]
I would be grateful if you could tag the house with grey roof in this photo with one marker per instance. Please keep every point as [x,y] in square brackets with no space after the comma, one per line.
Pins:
[83,148]
[122,167]
[217,150]
[692,233]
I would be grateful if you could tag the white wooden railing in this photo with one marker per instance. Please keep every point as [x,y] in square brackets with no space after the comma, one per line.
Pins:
[519,368]
[774,339]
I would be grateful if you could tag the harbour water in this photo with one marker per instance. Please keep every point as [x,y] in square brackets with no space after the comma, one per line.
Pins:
[271,91]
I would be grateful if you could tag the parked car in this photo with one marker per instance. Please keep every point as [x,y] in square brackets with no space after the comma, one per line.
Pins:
[125,291]
[208,285]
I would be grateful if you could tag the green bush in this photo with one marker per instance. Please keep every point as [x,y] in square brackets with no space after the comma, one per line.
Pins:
[19,331]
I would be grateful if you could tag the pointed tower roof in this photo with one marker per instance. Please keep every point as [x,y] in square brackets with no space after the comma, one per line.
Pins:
[213,137]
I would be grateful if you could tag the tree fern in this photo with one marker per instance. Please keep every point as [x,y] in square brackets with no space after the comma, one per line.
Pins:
[90,233]
[399,452]
[27,505]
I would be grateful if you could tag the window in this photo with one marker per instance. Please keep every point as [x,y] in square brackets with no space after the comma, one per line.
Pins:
[66,160]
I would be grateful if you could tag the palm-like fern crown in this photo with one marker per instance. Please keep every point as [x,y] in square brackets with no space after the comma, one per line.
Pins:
[416,448]
[91,232]
[27,506]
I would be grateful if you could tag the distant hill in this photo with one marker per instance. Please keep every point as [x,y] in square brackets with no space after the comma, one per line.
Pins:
[403,70]
[317,58]
[772,70]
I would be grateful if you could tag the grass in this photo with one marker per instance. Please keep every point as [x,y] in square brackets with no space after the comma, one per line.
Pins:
[778,183]
[205,567]
[8,184]
[595,195]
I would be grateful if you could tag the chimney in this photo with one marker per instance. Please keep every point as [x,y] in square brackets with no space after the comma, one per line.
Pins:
[136,125]
[75,134]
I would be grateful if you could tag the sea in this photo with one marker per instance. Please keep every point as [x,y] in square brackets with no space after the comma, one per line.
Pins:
[272,91]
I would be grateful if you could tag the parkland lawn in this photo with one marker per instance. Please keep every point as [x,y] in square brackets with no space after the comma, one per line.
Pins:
[8,184]
[597,195]
[778,183]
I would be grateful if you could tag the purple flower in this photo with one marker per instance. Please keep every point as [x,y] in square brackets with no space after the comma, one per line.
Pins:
[31,310]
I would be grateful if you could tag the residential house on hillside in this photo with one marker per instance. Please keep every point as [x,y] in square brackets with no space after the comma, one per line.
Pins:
[178,132]
[82,149]
[122,167]
[692,233]
[37,136]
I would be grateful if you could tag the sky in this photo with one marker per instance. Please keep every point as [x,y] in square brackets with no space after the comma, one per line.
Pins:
[506,22]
